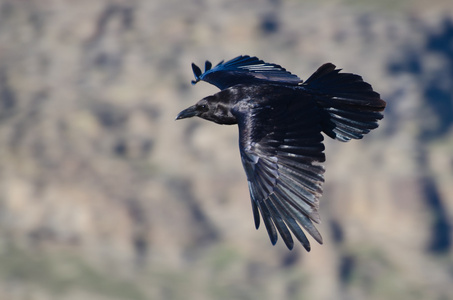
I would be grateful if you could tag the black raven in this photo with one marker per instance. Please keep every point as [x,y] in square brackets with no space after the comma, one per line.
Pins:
[280,121]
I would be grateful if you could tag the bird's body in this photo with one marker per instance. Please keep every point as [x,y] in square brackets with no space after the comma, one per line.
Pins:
[280,120]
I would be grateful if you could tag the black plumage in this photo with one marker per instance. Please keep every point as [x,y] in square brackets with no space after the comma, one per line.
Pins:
[281,120]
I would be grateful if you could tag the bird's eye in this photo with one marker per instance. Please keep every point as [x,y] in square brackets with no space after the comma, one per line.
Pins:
[203,107]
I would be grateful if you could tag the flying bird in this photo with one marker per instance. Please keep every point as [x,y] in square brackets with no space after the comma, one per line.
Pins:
[281,120]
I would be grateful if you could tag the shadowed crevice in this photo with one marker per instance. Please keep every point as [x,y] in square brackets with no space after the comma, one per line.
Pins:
[440,241]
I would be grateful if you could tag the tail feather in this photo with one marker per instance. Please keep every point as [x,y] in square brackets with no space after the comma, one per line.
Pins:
[351,107]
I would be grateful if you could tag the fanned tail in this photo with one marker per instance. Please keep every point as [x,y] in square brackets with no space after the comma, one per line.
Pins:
[352,108]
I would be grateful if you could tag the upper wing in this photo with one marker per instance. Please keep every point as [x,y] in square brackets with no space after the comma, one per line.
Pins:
[351,107]
[243,69]
[281,149]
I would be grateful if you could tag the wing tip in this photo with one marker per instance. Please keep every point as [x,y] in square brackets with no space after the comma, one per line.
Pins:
[273,238]
[198,73]
[290,245]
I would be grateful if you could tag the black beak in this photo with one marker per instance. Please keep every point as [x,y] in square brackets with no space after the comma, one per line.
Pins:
[188,113]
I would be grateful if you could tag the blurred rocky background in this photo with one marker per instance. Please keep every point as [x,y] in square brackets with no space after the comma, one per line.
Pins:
[104,196]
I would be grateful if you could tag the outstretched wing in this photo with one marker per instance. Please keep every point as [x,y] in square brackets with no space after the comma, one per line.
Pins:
[243,70]
[281,149]
[351,107]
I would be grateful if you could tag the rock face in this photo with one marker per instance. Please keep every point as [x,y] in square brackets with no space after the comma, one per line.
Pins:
[104,196]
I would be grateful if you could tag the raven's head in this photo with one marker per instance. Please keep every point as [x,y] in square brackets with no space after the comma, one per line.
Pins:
[198,110]
[212,108]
